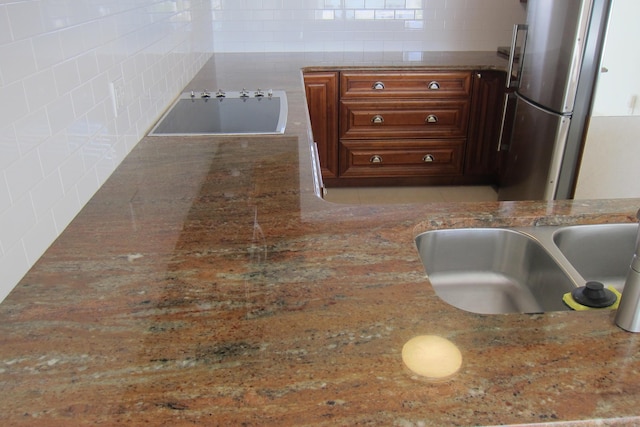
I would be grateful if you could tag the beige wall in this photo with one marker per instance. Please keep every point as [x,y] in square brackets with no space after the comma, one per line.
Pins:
[609,167]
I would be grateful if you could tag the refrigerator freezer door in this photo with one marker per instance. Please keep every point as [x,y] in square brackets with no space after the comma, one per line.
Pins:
[535,154]
[556,33]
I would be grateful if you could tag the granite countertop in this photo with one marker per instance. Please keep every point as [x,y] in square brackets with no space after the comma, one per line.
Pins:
[206,284]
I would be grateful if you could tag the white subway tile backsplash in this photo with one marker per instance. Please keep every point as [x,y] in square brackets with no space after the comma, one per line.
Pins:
[5,28]
[100,88]
[16,221]
[45,194]
[67,76]
[66,209]
[39,238]
[354,4]
[87,66]
[93,152]
[108,163]
[374,4]
[60,113]
[87,186]
[13,265]
[32,129]
[400,25]
[82,99]
[72,169]
[249,4]
[9,149]
[25,19]
[23,174]
[59,136]
[47,49]
[5,197]
[72,40]
[18,61]
[59,14]
[40,88]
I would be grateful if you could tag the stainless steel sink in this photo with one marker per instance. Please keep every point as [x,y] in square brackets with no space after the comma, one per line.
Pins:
[489,271]
[527,269]
[599,252]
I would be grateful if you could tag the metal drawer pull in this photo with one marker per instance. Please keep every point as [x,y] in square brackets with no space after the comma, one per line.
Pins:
[428,158]
[377,119]
[431,118]
[375,159]
[434,85]
[377,86]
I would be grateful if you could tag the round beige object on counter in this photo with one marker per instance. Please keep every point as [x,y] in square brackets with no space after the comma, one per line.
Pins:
[431,356]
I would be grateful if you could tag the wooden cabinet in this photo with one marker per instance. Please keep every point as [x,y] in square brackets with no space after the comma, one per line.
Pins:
[406,127]
[322,100]
[403,125]
[482,153]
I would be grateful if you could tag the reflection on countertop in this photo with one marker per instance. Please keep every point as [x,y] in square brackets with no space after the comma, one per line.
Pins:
[206,284]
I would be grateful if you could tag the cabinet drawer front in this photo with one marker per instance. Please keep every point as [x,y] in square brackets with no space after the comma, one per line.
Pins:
[400,158]
[406,119]
[399,84]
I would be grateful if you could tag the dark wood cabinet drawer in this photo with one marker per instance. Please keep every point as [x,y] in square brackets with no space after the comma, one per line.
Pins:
[399,84]
[401,158]
[403,119]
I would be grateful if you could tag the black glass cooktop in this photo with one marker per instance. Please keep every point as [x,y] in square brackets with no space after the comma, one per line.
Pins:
[232,114]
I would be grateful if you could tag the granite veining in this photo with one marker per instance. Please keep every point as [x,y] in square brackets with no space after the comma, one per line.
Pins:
[206,284]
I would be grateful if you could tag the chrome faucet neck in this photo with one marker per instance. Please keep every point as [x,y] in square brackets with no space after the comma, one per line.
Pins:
[628,315]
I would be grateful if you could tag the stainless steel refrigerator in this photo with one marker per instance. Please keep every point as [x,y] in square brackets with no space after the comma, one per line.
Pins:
[560,47]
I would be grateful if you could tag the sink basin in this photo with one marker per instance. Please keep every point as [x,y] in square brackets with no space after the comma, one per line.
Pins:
[524,269]
[599,252]
[493,270]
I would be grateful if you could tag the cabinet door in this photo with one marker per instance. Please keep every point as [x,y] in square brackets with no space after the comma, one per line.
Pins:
[481,157]
[322,100]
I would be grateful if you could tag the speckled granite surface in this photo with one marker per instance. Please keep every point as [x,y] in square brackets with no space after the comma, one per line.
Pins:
[206,284]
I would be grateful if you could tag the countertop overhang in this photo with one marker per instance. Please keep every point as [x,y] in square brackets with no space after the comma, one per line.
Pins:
[206,284]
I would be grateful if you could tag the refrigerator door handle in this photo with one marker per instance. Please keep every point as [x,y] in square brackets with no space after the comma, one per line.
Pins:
[511,81]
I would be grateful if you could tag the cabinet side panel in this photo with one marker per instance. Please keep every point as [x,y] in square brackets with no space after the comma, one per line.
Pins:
[322,100]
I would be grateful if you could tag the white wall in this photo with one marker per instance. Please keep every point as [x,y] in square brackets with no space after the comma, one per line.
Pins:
[59,136]
[363,25]
[618,91]
[609,167]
